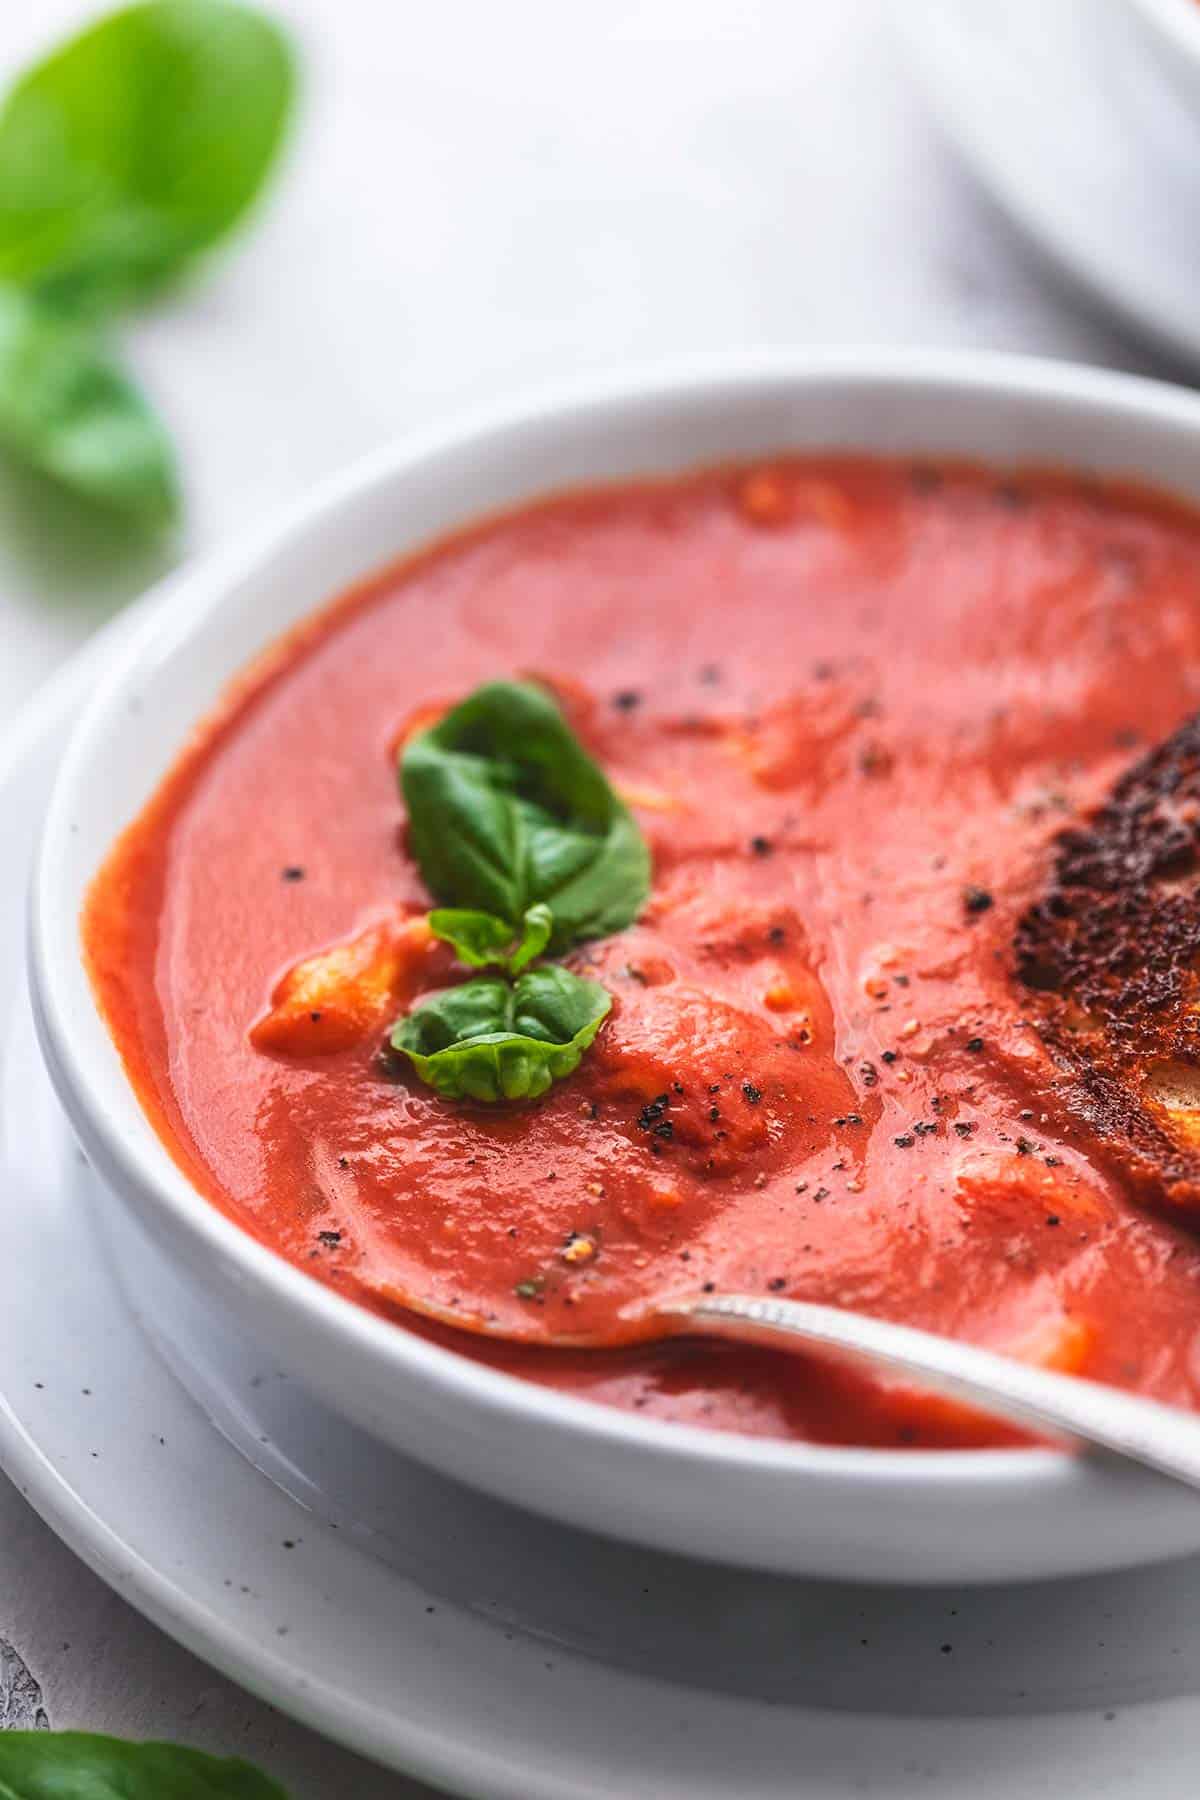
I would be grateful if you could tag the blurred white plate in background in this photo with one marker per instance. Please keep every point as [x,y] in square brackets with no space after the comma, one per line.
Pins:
[1071,114]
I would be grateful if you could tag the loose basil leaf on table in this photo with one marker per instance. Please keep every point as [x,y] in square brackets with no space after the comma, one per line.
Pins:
[138,144]
[66,410]
[507,810]
[494,1040]
[79,1765]
[480,939]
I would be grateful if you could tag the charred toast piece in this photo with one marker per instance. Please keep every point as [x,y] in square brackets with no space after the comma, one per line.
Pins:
[1111,954]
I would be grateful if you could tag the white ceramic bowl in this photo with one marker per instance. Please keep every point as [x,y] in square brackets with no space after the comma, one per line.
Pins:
[857,1513]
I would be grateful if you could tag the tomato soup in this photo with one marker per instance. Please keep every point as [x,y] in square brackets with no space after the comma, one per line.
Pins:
[854,706]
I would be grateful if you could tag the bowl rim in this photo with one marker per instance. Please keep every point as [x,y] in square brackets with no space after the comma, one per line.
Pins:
[181,604]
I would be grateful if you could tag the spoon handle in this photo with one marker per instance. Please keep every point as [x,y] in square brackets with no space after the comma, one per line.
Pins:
[1165,1438]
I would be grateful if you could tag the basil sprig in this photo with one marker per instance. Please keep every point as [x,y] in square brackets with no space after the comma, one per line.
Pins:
[507,810]
[492,1040]
[80,1765]
[519,834]
[480,939]
[125,154]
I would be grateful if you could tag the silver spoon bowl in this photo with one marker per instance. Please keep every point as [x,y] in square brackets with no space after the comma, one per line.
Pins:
[1087,1414]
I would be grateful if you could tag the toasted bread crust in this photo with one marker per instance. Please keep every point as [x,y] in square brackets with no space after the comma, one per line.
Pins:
[1111,953]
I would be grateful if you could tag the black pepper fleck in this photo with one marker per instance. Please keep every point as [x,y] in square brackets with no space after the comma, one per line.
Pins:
[1009,494]
[652,1113]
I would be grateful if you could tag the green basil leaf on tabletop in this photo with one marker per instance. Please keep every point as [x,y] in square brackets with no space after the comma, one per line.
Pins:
[480,939]
[68,411]
[507,810]
[138,144]
[78,1765]
[492,1040]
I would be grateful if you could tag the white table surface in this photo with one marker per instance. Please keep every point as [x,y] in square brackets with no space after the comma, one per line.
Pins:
[482,197]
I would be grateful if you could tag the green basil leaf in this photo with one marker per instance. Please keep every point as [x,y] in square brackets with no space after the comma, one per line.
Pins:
[78,1765]
[478,938]
[66,410]
[492,1040]
[138,144]
[537,929]
[506,809]
[481,938]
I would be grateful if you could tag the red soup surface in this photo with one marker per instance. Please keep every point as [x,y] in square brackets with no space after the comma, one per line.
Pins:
[853,705]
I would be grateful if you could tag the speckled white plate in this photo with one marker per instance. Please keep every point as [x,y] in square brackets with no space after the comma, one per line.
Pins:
[1070,115]
[499,1655]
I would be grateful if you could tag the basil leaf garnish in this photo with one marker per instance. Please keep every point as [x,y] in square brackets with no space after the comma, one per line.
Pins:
[494,1040]
[480,938]
[68,411]
[138,144]
[518,833]
[507,810]
[80,1765]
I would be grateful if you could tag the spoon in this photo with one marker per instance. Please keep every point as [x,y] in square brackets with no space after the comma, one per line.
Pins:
[1089,1415]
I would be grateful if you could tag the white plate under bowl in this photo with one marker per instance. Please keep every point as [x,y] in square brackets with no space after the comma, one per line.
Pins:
[1082,117]
[443,1633]
[870,1514]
